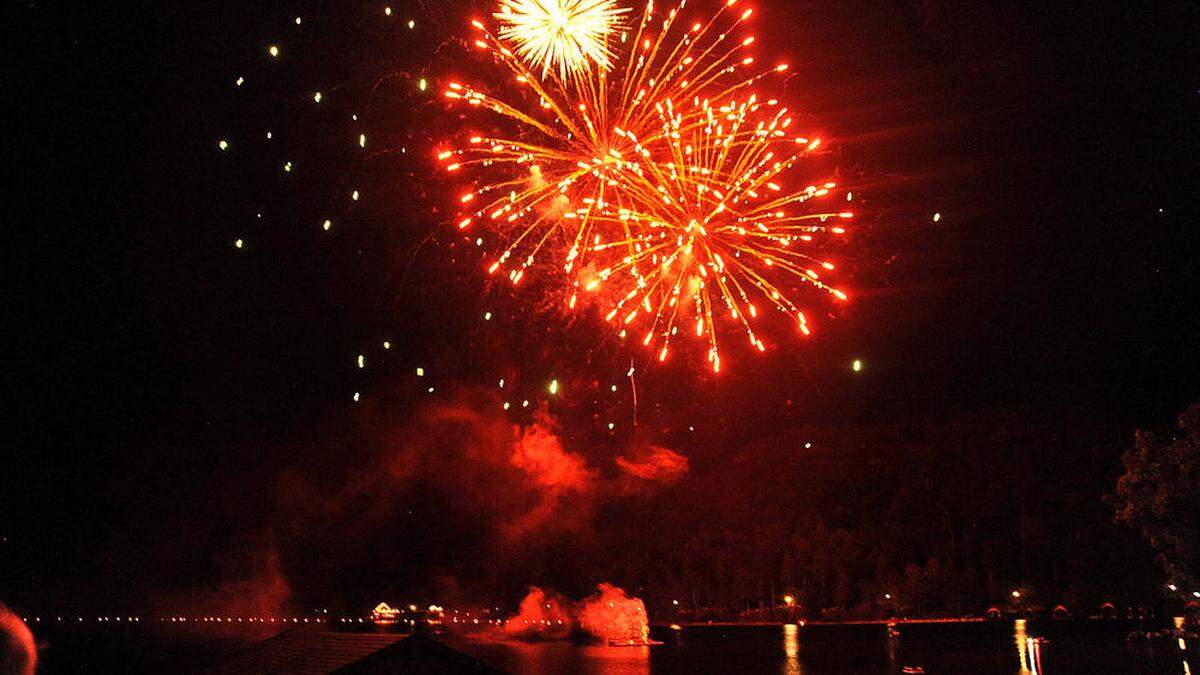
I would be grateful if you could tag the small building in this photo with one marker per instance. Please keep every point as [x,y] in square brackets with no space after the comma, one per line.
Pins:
[384,613]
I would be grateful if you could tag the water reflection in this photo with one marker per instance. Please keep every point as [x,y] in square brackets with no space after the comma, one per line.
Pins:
[529,658]
[791,649]
[893,653]
[1187,668]
[1024,648]
[1078,647]
[1029,650]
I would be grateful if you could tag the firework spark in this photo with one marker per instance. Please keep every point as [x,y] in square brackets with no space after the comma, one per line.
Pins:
[569,36]
[661,180]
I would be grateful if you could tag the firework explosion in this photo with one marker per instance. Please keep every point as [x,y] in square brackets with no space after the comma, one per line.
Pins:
[569,35]
[657,180]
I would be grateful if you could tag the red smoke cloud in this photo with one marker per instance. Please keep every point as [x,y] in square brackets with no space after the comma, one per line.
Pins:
[252,583]
[455,498]
[452,500]
[654,464]
[264,591]
[608,615]
[614,617]
[562,480]
[541,616]
[520,480]
[539,452]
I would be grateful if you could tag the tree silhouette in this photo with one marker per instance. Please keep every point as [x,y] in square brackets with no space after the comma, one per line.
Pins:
[1159,495]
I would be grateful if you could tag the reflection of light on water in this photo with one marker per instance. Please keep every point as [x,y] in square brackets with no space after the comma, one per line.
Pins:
[615,660]
[1029,650]
[791,649]
[565,657]
[1022,642]
[1179,622]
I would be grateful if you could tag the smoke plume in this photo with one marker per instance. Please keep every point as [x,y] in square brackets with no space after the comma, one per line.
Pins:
[609,616]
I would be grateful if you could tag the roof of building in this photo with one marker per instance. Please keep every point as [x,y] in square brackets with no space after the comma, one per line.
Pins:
[306,651]
[418,654]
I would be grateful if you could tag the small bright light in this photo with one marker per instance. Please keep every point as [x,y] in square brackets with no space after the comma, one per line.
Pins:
[1016,594]
[423,85]
[354,195]
[887,596]
[857,365]
[238,243]
[420,372]
[937,217]
[297,21]
[789,600]
[223,144]
[1172,587]
[362,361]
[356,397]
[411,24]
[553,386]
[675,602]
[387,345]
[317,97]
[273,51]
[326,225]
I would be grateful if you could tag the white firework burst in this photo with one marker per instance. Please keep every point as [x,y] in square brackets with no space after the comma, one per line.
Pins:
[569,36]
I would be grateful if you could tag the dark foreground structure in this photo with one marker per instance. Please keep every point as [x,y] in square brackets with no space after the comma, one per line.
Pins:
[307,651]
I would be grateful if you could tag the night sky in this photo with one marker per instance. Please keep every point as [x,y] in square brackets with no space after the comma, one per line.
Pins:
[167,391]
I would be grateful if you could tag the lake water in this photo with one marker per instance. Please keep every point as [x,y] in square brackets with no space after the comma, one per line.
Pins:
[844,650]
[1069,647]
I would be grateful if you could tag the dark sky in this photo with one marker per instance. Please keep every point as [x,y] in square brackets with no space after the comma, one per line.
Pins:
[153,362]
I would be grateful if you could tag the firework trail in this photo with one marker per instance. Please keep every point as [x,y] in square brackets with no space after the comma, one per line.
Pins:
[639,155]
